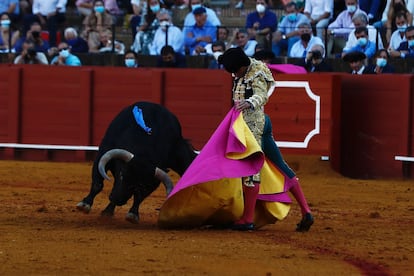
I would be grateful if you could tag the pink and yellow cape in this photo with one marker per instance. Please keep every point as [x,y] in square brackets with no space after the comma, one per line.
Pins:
[210,191]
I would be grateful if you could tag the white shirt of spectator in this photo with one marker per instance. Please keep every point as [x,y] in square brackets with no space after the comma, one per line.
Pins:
[44,7]
[298,51]
[175,40]
[395,40]
[249,48]
[318,7]
[41,57]
[372,36]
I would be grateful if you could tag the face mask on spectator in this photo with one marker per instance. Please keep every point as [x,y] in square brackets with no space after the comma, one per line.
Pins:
[195,6]
[217,54]
[381,62]
[99,9]
[362,41]
[351,8]
[402,28]
[64,53]
[155,8]
[260,8]
[5,24]
[292,17]
[130,62]
[411,43]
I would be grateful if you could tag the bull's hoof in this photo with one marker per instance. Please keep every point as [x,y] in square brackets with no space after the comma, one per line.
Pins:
[83,207]
[132,218]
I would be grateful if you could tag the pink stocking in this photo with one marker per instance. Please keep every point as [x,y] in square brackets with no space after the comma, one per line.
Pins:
[250,196]
[296,190]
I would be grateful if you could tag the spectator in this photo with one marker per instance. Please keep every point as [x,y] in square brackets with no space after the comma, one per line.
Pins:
[146,32]
[222,35]
[372,8]
[307,40]
[242,41]
[381,24]
[167,34]
[12,8]
[33,34]
[261,23]
[218,47]
[364,44]
[356,62]
[190,19]
[196,37]
[76,43]
[109,45]
[8,37]
[111,6]
[315,60]
[139,9]
[406,49]
[264,55]
[339,29]
[361,20]
[319,13]
[381,65]
[131,59]
[29,55]
[65,57]
[287,33]
[398,35]
[25,7]
[94,24]
[170,59]
[396,6]
[84,7]
[49,13]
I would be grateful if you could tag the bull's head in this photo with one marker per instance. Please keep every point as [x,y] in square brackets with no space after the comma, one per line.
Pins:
[128,175]
[182,156]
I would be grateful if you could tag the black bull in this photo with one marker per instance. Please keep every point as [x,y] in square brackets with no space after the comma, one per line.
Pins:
[138,160]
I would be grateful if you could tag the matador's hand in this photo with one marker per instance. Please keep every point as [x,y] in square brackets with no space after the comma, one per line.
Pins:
[242,105]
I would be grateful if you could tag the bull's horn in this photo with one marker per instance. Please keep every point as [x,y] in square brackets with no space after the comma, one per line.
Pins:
[113,153]
[164,178]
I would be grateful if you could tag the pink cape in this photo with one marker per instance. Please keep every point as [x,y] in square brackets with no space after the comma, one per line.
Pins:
[287,69]
[210,191]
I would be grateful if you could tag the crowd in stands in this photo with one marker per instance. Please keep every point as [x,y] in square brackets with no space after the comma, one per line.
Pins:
[36,31]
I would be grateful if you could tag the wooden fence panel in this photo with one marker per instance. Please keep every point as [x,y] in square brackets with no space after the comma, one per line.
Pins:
[200,98]
[375,120]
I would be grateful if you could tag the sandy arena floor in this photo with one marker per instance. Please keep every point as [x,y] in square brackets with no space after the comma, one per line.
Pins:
[362,227]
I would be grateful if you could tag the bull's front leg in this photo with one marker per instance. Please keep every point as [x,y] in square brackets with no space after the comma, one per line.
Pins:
[96,187]
[133,214]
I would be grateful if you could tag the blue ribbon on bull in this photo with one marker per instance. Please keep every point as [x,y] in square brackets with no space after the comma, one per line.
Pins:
[139,118]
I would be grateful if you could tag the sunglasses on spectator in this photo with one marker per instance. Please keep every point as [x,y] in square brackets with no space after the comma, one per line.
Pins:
[63,49]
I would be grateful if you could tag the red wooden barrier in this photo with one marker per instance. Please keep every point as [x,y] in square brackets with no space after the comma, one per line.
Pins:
[377,112]
[309,126]
[361,122]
